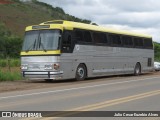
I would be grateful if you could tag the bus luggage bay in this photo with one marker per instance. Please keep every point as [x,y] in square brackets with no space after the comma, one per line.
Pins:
[61,49]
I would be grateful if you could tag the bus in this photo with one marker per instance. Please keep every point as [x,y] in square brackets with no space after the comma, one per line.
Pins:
[60,49]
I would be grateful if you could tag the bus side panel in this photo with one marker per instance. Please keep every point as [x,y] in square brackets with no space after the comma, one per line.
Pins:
[110,61]
[103,61]
[66,64]
[148,61]
[83,54]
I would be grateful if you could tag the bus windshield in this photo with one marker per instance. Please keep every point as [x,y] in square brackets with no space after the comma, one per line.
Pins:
[41,40]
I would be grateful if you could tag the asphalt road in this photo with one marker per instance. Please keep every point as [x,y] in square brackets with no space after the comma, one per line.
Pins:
[125,93]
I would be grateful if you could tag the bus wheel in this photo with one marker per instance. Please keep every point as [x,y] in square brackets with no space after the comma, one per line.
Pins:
[137,69]
[81,72]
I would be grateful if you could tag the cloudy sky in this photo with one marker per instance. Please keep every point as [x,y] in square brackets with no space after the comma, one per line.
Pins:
[135,15]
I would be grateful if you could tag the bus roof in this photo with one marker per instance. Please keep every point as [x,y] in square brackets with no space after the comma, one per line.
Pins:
[70,25]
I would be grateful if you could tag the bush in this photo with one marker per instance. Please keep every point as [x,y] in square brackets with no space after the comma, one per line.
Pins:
[14,63]
[3,63]
[10,76]
[10,47]
[157,59]
[10,62]
[13,45]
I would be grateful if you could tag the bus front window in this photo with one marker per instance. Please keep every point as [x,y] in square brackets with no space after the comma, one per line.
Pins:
[41,40]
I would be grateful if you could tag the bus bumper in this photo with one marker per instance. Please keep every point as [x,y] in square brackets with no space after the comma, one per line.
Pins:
[42,75]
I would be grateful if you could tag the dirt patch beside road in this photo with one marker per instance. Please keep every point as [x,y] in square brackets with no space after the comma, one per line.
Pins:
[27,84]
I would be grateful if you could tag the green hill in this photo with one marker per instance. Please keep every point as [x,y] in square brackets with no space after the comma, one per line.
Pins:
[18,15]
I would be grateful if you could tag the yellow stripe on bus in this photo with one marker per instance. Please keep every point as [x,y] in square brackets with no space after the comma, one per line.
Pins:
[30,53]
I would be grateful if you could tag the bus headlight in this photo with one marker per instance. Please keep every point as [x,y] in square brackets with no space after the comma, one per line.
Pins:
[55,66]
[24,67]
[48,67]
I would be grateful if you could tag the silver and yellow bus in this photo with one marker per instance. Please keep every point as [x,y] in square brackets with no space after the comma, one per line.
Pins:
[60,49]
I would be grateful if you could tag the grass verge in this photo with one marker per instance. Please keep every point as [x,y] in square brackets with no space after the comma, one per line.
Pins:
[9,76]
[10,62]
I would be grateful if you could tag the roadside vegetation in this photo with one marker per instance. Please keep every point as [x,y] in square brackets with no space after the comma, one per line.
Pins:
[9,76]
[10,46]
[157,51]
[10,69]
[9,63]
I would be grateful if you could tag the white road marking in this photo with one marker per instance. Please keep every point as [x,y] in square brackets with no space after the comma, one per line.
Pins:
[63,90]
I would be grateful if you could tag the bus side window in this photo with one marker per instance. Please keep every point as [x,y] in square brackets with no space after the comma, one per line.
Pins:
[79,36]
[115,39]
[67,42]
[100,38]
[127,41]
[138,42]
[87,36]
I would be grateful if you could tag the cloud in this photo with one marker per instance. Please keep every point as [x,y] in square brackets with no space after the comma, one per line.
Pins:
[135,15]
[133,19]
[133,5]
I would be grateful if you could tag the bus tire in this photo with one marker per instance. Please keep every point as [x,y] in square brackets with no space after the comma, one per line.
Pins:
[81,72]
[137,69]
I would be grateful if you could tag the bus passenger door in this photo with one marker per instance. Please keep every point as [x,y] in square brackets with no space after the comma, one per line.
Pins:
[67,55]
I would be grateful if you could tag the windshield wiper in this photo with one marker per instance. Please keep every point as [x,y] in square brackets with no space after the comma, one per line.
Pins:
[32,46]
[40,44]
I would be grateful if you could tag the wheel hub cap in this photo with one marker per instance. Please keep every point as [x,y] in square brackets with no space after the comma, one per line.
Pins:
[81,72]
